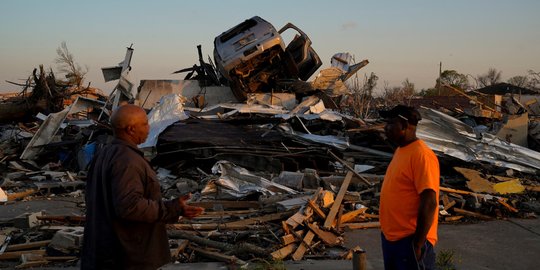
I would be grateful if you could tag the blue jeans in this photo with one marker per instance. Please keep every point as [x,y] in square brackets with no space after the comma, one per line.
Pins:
[399,255]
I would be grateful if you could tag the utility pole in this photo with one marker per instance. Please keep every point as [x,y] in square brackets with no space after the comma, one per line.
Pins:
[440,73]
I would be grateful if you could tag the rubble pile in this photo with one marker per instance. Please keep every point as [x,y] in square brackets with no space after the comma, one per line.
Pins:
[281,174]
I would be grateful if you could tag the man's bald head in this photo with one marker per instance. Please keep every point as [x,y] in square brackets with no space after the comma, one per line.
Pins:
[130,123]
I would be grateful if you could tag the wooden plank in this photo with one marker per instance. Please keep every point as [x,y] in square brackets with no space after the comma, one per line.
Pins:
[16,254]
[30,245]
[371,215]
[19,195]
[218,256]
[472,214]
[363,225]
[453,218]
[508,206]
[451,190]
[283,252]
[214,226]
[328,238]
[218,214]
[261,219]
[445,199]
[316,209]
[296,219]
[352,214]
[301,250]
[288,239]
[285,227]
[31,264]
[337,202]
[449,205]
[327,198]
[227,204]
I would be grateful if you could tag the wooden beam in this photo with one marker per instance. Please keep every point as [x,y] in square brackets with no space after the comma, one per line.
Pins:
[352,214]
[453,218]
[301,250]
[283,252]
[227,204]
[214,226]
[16,254]
[472,214]
[508,206]
[328,238]
[296,219]
[261,219]
[449,205]
[288,239]
[218,256]
[19,195]
[30,245]
[337,202]
[363,225]
[316,209]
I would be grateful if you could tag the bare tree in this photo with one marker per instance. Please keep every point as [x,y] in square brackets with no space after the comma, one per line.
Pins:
[493,76]
[74,73]
[398,95]
[534,80]
[520,81]
[361,97]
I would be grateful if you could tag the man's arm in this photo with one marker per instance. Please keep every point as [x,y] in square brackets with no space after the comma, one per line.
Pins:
[426,213]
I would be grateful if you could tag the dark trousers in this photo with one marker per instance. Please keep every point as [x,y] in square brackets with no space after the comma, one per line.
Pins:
[399,255]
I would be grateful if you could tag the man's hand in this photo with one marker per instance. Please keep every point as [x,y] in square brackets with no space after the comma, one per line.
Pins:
[418,249]
[189,211]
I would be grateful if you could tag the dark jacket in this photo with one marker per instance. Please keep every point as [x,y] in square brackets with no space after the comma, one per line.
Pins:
[125,218]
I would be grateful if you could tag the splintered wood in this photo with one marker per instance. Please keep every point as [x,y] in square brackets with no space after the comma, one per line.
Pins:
[308,230]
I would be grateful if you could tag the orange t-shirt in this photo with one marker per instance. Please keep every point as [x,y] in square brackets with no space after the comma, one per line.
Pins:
[413,169]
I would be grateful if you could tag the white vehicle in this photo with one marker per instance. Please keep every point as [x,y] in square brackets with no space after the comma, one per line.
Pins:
[253,57]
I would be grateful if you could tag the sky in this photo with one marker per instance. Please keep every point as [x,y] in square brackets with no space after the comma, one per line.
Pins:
[401,39]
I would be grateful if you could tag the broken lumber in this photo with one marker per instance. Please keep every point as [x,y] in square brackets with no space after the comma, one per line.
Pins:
[237,249]
[304,245]
[17,254]
[328,238]
[363,225]
[261,219]
[316,209]
[472,214]
[30,245]
[352,214]
[214,226]
[218,256]
[19,195]
[283,252]
[227,204]
[337,202]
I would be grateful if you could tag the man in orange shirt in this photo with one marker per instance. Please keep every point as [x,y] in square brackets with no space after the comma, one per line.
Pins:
[409,196]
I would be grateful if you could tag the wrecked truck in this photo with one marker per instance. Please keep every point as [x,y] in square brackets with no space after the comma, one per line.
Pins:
[253,57]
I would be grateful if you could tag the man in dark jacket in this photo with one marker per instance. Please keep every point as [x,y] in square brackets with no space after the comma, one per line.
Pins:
[126,216]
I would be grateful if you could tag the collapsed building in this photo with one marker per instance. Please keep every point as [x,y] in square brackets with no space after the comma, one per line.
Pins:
[280,167]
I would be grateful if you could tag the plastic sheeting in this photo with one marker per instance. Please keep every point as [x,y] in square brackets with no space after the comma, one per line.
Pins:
[236,182]
[452,137]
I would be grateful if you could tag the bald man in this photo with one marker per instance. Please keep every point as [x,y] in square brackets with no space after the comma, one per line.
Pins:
[126,216]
